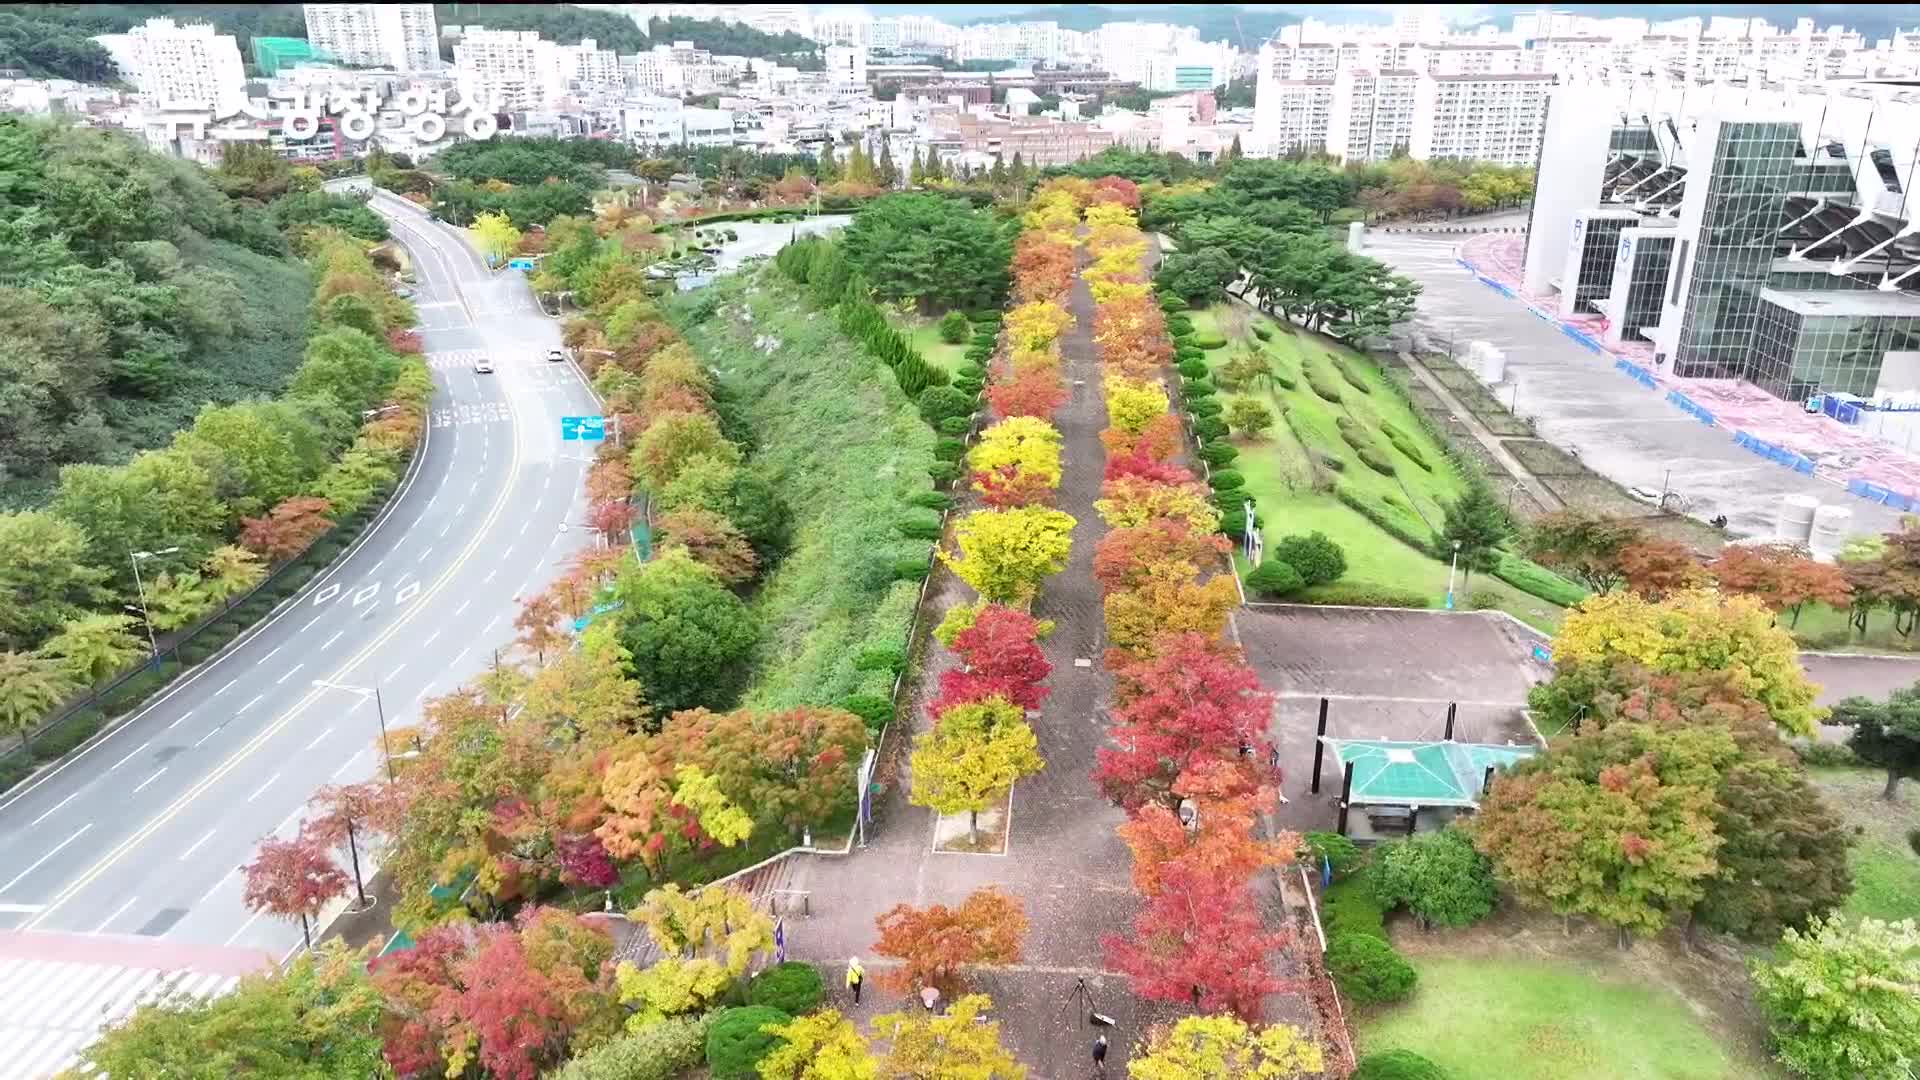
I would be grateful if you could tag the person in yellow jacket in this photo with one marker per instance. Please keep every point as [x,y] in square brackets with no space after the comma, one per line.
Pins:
[855,976]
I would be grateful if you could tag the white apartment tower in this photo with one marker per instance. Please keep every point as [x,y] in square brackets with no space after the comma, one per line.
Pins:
[846,64]
[512,67]
[589,69]
[179,67]
[1370,114]
[403,37]
[1480,117]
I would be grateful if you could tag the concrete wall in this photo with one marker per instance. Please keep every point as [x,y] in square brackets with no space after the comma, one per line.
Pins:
[1573,161]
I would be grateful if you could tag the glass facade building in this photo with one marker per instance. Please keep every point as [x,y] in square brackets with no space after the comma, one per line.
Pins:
[1831,342]
[1752,171]
[1645,263]
[1599,247]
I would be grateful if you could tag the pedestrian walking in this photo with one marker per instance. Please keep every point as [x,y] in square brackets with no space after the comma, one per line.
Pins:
[930,997]
[855,976]
[1100,1053]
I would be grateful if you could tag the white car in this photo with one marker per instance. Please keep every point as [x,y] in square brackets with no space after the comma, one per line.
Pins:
[555,356]
[483,366]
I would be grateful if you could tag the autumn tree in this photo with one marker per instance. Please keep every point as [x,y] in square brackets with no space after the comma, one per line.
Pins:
[317,1017]
[1194,702]
[935,942]
[1170,599]
[1781,576]
[1224,1048]
[495,236]
[1222,841]
[791,768]
[1696,630]
[1036,392]
[1885,733]
[1005,554]
[30,687]
[1615,823]
[1200,941]
[344,813]
[959,1042]
[288,529]
[92,647]
[707,939]
[653,811]
[1125,557]
[1655,568]
[293,879]
[1584,545]
[47,576]
[820,1046]
[1127,502]
[712,540]
[1842,999]
[972,757]
[538,622]
[1000,656]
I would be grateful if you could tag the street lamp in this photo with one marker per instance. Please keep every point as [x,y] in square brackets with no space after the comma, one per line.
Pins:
[379,709]
[581,524]
[1451,567]
[136,557]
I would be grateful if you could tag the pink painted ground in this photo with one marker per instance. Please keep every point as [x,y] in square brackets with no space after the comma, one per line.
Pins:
[1840,453]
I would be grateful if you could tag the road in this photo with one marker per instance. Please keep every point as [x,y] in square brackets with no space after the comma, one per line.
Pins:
[143,832]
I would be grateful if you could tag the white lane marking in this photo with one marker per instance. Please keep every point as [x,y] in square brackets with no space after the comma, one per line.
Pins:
[444,529]
[424,554]
[117,912]
[348,765]
[395,673]
[255,700]
[462,656]
[225,688]
[77,833]
[491,623]
[334,638]
[289,674]
[462,608]
[131,753]
[489,576]
[286,821]
[430,638]
[407,592]
[318,739]
[211,732]
[185,855]
[326,594]
[243,929]
[262,789]
[362,595]
[56,807]
[208,895]
[310,623]
[271,655]
[524,524]
[149,780]
[177,723]
[378,565]
[460,510]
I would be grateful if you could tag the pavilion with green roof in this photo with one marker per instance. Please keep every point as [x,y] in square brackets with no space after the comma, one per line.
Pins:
[1396,781]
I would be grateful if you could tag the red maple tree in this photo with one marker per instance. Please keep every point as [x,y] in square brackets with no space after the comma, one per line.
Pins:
[1654,567]
[1124,557]
[346,813]
[1032,391]
[293,879]
[1193,701]
[1201,941]
[1780,576]
[1227,799]
[1009,486]
[612,519]
[288,529]
[999,655]
[933,943]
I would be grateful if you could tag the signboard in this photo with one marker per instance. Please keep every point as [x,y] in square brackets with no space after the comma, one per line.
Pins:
[1542,654]
[298,110]
[580,623]
[519,264]
[583,428]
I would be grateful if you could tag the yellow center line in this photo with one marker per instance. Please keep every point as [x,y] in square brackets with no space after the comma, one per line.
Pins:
[160,820]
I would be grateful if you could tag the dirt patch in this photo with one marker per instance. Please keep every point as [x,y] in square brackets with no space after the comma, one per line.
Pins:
[1711,977]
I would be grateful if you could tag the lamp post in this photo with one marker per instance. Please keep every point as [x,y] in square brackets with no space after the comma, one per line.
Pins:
[1451,567]
[140,587]
[581,524]
[379,710]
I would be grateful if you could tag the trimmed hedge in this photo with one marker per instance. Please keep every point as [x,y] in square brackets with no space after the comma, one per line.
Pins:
[908,569]
[1346,372]
[1363,445]
[792,987]
[932,500]
[1365,968]
[921,524]
[1210,341]
[1398,1065]
[736,1041]
[663,1049]
[1361,594]
[1193,388]
[1349,907]
[1219,455]
[1323,386]
[1227,478]
[1205,406]
[1318,559]
[943,472]
[1536,580]
[949,449]
[1263,333]
[1210,427]
[1171,303]
[956,426]
[1274,578]
[873,709]
[1193,369]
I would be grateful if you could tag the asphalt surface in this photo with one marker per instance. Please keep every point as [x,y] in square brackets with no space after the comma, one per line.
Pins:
[143,833]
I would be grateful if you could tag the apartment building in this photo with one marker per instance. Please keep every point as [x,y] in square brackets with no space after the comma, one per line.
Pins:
[846,64]
[1479,117]
[404,37]
[1291,116]
[1370,114]
[171,66]
[587,69]
[515,69]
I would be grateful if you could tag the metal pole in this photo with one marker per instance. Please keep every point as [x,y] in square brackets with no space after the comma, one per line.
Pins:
[1346,793]
[1451,567]
[1453,709]
[386,750]
[1319,748]
[153,645]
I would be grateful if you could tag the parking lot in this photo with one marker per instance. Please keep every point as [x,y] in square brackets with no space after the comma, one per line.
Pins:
[1578,401]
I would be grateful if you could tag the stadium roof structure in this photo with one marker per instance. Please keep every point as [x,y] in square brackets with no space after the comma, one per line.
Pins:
[1393,773]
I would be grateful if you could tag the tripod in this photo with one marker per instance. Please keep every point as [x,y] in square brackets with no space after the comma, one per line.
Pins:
[1080,1000]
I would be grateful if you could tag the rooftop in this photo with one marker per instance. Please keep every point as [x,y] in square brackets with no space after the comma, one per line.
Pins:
[1387,772]
[1855,302]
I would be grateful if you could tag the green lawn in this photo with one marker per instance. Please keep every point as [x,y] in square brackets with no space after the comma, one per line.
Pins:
[1886,872]
[1491,1017]
[925,335]
[1824,628]
[1279,474]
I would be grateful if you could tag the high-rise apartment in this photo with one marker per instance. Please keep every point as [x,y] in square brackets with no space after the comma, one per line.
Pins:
[190,67]
[404,37]
[514,68]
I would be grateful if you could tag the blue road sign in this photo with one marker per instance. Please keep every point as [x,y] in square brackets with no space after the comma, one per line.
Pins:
[583,428]
[580,623]
[519,264]
[1542,654]
[570,427]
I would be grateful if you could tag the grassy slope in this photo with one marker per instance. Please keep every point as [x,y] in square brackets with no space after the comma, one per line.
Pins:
[843,446]
[925,335]
[1278,474]
[1487,1017]
[1886,872]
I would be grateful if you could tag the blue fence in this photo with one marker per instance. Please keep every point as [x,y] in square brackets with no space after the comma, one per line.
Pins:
[1635,372]
[1495,286]
[1844,411]
[1881,495]
[1687,405]
[1779,455]
[1581,338]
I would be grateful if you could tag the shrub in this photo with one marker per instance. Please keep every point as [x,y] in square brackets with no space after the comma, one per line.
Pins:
[987,319]
[970,371]
[1364,967]
[923,525]
[64,738]
[1263,333]
[1227,478]
[1184,353]
[1219,455]
[989,338]
[1405,446]
[970,387]
[1274,578]
[910,569]
[953,328]
[736,1041]
[939,402]
[1346,372]
[661,1050]
[1233,522]
[874,709]
[1205,406]
[1193,369]
[1171,303]
[943,472]
[1210,427]
[793,988]
[1194,388]
[1438,877]
[1285,378]
[932,500]
[1349,907]
[977,354]
[1340,853]
[949,449]
[1371,459]
[1333,462]
[1360,594]
[1819,753]
[1398,1065]
[1318,558]
[1324,387]
[956,426]
[1179,324]
[1210,341]
[1536,580]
